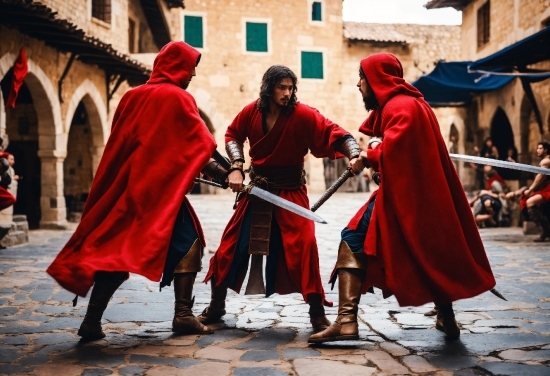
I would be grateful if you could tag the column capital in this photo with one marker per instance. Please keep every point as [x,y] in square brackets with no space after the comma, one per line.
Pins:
[52,154]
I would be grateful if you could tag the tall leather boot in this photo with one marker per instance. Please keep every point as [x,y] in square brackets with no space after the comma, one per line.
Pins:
[351,273]
[317,317]
[184,321]
[538,217]
[184,278]
[216,309]
[106,283]
[446,321]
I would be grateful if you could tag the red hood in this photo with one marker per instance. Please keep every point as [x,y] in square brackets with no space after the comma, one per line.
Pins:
[385,75]
[174,64]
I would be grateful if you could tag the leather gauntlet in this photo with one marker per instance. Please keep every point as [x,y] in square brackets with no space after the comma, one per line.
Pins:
[350,148]
[236,156]
[214,170]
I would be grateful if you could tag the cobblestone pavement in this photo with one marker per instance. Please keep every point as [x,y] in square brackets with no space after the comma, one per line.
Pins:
[269,336]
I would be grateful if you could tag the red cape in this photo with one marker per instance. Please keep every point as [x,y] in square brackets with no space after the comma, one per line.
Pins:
[422,242]
[285,145]
[158,144]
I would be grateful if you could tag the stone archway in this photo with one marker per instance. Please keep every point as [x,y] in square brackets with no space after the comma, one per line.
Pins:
[502,136]
[96,110]
[50,133]
[529,132]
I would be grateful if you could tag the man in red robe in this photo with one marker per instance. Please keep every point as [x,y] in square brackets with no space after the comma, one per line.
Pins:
[534,199]
[399,241]
[137,218]
[280,131]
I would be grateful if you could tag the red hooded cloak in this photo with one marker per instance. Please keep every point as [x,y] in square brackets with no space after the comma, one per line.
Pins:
[158,144]
[422,242]
[285,145]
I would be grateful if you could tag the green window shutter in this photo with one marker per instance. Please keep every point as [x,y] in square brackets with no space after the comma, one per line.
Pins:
[312,65]
[193,31]
[256,37]
[316,11]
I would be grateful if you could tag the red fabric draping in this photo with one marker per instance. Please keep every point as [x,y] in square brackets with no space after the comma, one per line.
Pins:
[422,243]
[158,144]
[20,70]
[285,145]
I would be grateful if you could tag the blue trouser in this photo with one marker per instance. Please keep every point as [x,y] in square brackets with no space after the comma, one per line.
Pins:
[184,235]
[356,238]
[239,265]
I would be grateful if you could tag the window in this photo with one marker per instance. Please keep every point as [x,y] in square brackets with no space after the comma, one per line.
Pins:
[316,11]
[312,65]
[256,37]
[132,36]
[483,24]
[101,9]
[193,32]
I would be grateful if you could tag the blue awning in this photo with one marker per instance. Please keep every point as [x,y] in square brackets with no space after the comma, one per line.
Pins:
[450,84]
[456,83]
[518,56]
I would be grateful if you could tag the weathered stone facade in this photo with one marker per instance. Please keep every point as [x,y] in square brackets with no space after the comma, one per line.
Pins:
[61,121]
[66,149]
[229,77]
[510,22]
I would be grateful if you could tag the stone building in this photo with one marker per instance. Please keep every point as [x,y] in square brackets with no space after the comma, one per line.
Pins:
[508,115]
[239,40]
[84,54]
[79,64]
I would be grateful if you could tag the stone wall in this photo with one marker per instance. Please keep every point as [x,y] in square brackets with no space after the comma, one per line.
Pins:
[84,83]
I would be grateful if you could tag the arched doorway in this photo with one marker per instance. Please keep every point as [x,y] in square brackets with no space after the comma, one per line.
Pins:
[22,133]
[530,133]
[503,138]
[78,165]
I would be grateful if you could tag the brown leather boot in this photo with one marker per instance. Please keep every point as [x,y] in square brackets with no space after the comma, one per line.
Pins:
[184,321]
[106,283]
[540,219]
[446,321]
[317,317]
[345,328]
[216,309]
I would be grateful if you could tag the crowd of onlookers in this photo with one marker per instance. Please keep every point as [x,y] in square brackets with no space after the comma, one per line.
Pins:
[491,204]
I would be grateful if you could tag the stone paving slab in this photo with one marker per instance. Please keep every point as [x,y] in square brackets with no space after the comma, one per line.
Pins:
[268,336]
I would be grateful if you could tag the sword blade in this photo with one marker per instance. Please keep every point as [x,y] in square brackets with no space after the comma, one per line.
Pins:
[495,292]
[285,204]
[502,164]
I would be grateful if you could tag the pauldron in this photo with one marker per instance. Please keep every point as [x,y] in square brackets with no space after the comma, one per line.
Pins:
[236,156]
[350,148]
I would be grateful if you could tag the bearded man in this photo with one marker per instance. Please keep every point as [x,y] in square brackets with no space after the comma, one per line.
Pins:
[280,131]
[137,218]
[416,237]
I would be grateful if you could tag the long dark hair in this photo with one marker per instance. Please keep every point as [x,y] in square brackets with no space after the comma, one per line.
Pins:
[272,77]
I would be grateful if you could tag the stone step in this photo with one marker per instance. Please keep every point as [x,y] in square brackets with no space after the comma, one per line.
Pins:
[19,218]
[15,238]
[21,226]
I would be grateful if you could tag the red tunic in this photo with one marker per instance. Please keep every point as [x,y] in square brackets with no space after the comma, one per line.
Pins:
[422,241]
[158,144]
[285,145]
[544,192]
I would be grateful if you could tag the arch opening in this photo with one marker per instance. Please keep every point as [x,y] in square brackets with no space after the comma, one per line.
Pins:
[22,123]
[503,139]
[78,165]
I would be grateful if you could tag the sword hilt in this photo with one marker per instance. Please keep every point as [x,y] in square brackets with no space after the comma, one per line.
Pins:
[333,188]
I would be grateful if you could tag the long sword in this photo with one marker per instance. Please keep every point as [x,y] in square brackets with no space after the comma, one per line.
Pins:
[502,164]
[275,200]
